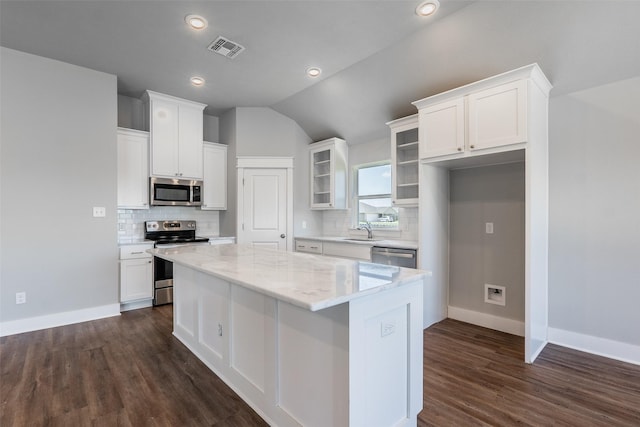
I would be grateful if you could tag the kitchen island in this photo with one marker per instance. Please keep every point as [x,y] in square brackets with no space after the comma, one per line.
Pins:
[304,339]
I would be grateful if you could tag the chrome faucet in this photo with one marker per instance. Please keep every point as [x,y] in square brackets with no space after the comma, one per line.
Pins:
[367,226]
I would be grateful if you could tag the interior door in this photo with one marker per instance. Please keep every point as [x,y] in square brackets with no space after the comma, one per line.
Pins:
[264,213]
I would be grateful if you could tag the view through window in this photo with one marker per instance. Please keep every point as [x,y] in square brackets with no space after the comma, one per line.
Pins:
[374,197]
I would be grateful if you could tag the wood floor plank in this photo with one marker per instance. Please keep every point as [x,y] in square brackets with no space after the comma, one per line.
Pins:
[131,371]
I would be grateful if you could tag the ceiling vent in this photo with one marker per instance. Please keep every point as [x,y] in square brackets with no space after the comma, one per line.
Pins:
[225,47]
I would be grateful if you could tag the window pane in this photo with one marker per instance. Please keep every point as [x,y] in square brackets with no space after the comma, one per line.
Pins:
[374,180]
[378,212]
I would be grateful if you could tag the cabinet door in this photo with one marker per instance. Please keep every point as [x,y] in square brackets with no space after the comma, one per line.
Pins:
[442,129]
[136,279]
[215,177]
[322,177]
[190,142]
[164,138]
[404,164]
[133,171]
[498,116]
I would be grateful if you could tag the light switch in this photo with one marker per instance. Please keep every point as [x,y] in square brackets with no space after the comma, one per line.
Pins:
[99,211]
[488,227]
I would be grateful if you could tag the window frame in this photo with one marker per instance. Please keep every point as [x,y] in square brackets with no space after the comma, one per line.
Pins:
[356,198]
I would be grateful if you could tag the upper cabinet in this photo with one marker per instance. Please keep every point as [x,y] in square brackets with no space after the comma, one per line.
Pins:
[214,191]
[133,169]
[328,166]
[493,115]
[175,127]
[404,161]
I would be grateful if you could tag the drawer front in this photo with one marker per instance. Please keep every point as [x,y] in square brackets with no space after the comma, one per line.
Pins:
[309,246]
[135,251]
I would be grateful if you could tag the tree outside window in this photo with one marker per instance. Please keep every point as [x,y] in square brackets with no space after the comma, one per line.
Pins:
[374,197]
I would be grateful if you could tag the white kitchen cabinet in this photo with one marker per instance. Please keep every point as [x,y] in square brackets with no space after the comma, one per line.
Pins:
[442,128]
[133,169]
[328,174]
[498,116]
[309,246]
[175,126]
[480,118]
[136,273]
[215,177]
[404,161]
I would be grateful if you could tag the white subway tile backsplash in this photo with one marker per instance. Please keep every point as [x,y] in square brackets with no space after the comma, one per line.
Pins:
[133,220]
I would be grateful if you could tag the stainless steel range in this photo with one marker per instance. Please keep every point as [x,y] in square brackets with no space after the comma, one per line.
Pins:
[169,234]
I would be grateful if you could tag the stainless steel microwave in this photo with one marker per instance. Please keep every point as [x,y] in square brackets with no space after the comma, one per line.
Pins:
[175,192]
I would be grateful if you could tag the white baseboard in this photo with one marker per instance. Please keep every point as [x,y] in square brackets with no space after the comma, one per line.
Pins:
[502,324]
[58,319]
[126,306]
[600,346]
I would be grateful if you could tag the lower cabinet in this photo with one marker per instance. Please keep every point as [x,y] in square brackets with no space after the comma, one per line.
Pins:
[136,273]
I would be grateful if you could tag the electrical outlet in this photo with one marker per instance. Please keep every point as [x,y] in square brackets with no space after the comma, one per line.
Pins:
[304,224]
[387,328]
[99,211]
[21,297]
[488,227]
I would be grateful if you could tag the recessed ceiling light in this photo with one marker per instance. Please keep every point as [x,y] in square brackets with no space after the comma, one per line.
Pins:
[314,72]
[197,81]
[196,22]
[427,8]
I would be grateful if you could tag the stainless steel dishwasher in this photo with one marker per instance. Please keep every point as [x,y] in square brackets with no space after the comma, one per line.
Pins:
[394,256]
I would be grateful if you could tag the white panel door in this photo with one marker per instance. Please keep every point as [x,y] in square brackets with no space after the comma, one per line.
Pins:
[264,214]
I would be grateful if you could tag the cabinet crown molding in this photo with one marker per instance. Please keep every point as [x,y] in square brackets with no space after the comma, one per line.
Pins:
[529,72]
[151,95]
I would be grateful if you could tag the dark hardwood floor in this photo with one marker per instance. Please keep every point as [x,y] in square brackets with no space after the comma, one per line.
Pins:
[476,377]
[121,371]
[130,371]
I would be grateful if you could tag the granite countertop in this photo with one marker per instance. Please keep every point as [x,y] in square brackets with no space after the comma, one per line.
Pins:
[313,282]
[389,243]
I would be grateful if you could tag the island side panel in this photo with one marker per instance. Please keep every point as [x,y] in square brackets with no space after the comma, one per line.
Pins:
[313,365]
[385,357]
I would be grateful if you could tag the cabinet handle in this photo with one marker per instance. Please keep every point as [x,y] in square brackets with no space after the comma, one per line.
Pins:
[282,236]
[148,262]
[459,149]
[219,329]
[313,247]
[473,146]
[136,253]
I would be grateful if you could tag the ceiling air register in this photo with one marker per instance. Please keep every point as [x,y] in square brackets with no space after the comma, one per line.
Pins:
[225,47]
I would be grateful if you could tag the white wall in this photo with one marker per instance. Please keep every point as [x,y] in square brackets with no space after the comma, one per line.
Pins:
[58,136]
[594,235]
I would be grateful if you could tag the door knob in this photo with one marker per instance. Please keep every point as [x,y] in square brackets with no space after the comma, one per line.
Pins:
[282,236]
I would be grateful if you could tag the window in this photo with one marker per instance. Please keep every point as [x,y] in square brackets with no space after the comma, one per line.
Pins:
[374,197]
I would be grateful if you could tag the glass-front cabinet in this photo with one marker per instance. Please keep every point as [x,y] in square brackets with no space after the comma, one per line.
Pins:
[404,161]
[328,174]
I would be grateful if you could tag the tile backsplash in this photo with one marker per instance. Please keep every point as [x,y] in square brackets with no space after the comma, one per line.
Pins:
[131,221]
[340,223]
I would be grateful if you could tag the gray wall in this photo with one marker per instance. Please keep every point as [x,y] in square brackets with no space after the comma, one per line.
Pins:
[340,222]
[594,235]
[479,195]
[264,132]
[58,136]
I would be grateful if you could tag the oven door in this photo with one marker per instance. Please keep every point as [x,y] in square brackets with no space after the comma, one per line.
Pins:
[163,275]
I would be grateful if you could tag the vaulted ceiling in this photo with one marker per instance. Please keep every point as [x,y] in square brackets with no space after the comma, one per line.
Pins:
[376,56]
